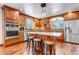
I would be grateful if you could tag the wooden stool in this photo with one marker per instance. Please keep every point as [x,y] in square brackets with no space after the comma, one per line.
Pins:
[49,48]
[29,41]
[29,44]
[37,45]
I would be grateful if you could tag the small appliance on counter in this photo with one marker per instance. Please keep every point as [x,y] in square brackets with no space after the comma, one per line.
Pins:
[21,28]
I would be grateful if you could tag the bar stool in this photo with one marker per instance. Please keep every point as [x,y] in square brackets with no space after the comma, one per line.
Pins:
[37,47]
[30,43]
[49,48]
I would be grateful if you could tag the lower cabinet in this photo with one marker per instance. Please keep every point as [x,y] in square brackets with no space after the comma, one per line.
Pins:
[18,39]
[21,36]
[12,41]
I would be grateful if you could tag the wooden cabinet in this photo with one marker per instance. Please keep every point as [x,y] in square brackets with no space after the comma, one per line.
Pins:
[10,14]
[71,16]
[38,23]
[22,19]
[21,36]
[21,22]
[11,41]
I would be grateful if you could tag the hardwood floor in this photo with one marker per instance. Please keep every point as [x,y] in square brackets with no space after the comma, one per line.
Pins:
[21,49]
[17,49]
[67,49]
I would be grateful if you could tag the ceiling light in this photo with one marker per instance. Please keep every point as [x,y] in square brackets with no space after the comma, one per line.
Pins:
[43,13]
[21,9]
[70,12]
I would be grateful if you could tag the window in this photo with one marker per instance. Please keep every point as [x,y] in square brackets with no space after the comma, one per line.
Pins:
[30,23]
[57,23]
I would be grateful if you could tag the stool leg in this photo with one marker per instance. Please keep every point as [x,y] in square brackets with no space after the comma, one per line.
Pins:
[27,47]
[30,45]
[27,43]
[33,47]
[42,47]
[53,50]
[45,46]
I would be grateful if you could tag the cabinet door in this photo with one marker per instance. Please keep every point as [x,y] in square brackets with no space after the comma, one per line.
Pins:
[11,41]
[10,14]
[22,20]
[21,36]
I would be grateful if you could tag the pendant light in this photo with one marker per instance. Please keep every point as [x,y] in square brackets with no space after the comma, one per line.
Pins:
[43,13]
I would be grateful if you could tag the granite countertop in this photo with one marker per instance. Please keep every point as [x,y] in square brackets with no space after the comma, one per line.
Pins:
[46,33]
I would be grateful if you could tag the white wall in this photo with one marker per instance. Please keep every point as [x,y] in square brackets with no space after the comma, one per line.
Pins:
[1,29]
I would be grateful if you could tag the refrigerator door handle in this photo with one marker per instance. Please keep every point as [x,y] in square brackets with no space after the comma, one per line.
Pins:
[71,30]
[65,29]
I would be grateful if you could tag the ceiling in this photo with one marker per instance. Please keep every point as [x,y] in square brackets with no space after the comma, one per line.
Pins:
[52,9]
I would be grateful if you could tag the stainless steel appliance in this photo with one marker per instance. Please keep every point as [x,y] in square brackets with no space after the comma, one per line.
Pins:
[72,31]
[12,29]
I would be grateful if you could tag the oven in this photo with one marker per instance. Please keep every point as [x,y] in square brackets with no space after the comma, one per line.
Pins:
[12,30]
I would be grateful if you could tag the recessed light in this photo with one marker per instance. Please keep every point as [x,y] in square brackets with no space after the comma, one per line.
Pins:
[70,12]
[21,9]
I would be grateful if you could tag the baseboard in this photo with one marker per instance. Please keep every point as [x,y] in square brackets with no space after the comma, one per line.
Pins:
[71,42]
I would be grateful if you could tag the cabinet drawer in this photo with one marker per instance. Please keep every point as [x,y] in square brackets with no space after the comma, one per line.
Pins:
[11,41]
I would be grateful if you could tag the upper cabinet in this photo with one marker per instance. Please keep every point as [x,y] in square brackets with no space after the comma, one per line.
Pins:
[37,23]
[71,16]
[10,14]
[46,24]
[22,19]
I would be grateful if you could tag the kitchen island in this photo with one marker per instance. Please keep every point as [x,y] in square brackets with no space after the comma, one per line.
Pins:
[54,35]
[47,33]
[47,40]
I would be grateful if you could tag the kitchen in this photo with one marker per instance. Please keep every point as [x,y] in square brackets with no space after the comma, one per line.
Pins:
[42,33]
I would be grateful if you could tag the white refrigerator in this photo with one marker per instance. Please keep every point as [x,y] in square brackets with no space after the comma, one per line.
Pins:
[71,31]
